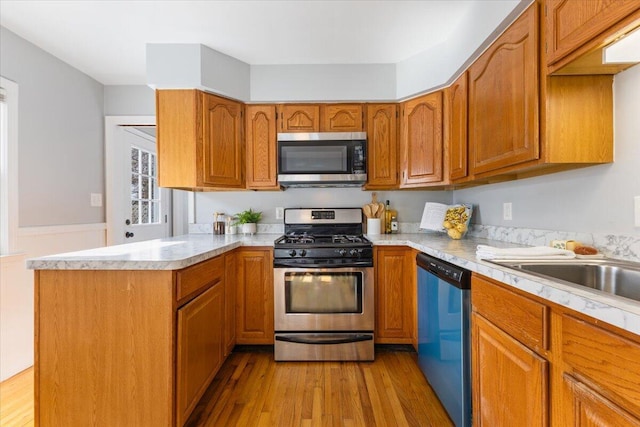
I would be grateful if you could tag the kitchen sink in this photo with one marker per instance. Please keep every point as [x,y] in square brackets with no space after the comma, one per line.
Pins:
[615,277]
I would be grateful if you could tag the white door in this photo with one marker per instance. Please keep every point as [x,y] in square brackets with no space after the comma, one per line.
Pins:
[137,209]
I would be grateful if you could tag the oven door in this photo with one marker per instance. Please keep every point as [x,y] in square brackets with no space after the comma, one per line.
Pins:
[323,299]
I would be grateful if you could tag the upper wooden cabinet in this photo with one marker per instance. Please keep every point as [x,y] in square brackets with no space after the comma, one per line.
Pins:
[299,118]
[421,141]
[455,128]
[341,118]
[503,99]
[576,29]
[524,122]
[199,140]
[262,163]
[382,146]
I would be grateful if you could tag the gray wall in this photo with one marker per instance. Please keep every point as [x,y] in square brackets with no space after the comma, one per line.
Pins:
[129,100]
[60,136]
[592,199]
[409,204]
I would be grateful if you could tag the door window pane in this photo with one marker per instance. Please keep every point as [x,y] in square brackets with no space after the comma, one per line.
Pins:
[145,195]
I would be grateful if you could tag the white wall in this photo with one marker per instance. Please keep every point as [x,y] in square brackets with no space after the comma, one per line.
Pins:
[439,65]
[61,136]
[129,100]
[335,82]
[60,162]
[409,204]
[595,199]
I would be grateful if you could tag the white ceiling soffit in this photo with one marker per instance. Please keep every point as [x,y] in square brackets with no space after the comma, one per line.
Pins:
[107,39]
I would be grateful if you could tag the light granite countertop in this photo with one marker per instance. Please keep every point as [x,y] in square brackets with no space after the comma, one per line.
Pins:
[182,251]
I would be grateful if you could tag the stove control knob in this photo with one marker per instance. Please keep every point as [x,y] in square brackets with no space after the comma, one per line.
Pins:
[292,253]
[342,252]
[303,252]
[354,252]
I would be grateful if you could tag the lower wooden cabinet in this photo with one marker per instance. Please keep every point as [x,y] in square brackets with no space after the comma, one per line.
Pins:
[230,302]
[254,296]
[535,363]
[510,381]
[395,295]
[587,407]
[199,349]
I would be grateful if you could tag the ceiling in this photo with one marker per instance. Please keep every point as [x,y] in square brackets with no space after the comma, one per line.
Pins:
[107,39]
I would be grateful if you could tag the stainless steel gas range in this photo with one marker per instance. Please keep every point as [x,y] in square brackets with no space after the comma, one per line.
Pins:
[323,279]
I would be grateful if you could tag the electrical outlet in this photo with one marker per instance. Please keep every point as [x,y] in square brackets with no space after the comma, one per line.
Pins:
[280,213]
[96,200]
[636,202]
[507,213]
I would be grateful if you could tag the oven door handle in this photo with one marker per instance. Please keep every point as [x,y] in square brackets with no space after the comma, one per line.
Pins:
[293,264]
[314,339]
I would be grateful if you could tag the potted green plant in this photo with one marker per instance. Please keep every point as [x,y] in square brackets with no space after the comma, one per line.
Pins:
[247,221]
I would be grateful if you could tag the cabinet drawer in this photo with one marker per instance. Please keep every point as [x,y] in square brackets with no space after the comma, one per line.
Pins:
[604,358]
[192,279]
[522,318]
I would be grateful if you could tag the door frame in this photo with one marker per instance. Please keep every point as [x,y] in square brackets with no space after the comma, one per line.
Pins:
[111,125]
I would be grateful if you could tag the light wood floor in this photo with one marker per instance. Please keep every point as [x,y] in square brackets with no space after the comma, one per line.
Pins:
[253,390]
[16,400]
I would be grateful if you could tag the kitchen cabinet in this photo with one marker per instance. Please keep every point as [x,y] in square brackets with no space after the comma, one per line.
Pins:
[522,122]
[199,140]
[134,347]
[395,295]
[341,118]
[382,146]
[254,296]
[576,30]
[230,283]
[455,128]
[510,374]
[299,118]
[601,374]
[537,363]
[421,141]
[200,348]
[503,99]
[262,163]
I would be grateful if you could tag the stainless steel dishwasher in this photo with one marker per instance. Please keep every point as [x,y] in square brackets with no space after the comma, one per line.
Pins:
[443,334]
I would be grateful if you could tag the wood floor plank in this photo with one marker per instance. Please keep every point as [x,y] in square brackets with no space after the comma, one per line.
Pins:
[251,389]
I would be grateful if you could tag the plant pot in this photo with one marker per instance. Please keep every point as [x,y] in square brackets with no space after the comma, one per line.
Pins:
[249,228]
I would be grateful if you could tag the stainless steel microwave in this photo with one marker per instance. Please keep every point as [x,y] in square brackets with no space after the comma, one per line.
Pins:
[323,159]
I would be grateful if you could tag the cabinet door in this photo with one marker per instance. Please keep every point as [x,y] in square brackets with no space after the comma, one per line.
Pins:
[510,382]
[395,295]
[455,118]
[222,142]
[199,353]
[572,23]
[299,118]
[254,296]
[421,141]
[342,118]
[262,167]
[382,146]
[587,408]
[178,115]
[503,99]
[230,283]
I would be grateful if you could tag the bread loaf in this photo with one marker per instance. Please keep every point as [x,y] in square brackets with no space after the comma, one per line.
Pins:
[585,250]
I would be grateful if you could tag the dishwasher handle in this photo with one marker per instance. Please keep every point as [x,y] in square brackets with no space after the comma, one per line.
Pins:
[452,274]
